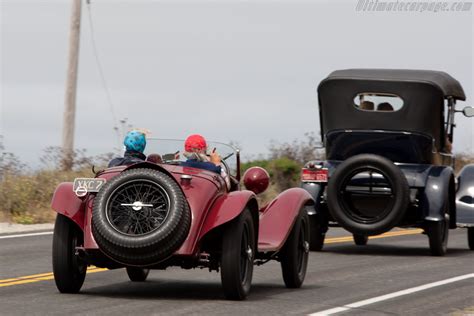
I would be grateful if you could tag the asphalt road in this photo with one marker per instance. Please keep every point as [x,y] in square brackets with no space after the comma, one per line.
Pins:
[340,275]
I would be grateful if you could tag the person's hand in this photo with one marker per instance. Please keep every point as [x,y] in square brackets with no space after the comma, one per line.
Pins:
[215,158]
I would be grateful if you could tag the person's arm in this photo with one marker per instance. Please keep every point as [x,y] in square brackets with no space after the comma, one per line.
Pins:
[215,158]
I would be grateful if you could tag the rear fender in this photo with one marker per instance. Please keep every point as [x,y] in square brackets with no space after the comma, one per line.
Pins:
[66,202]
[438,188]
[228,207]
[316,191]
[277,221]
[465,197]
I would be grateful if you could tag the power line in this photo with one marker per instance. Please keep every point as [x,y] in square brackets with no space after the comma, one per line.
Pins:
[101,72]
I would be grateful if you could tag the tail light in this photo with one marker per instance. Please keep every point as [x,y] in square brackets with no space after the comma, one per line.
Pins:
[314,174]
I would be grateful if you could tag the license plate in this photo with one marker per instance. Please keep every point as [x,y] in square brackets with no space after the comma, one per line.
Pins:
[82,186]
[316,175]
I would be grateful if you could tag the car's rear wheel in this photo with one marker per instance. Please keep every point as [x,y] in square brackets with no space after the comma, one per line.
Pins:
[360,240]
[238,253]
[317,234]
[137,274]
[140,217]
[470,237]
[295,252]
[68,268]
[438,233]
[368,194]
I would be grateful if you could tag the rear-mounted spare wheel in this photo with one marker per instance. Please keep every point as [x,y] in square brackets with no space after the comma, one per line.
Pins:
[140,217]
[368,194]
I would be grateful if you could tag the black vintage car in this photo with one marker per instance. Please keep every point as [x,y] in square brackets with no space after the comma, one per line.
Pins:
[388,138]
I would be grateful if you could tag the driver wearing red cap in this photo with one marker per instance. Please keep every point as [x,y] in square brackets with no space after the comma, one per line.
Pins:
[195,148]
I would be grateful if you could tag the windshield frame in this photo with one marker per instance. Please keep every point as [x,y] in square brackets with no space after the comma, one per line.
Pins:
[235,151]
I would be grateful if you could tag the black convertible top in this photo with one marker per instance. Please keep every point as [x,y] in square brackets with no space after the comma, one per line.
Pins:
[422,91]
[449,86]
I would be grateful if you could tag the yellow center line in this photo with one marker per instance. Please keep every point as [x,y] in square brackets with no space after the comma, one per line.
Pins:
[27,277]
[385,235]
[49,275]
[39,277]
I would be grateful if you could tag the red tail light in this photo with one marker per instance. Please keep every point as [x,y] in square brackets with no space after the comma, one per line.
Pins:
[314,175]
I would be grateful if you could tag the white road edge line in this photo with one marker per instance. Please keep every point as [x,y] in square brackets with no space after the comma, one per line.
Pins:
[392,295]
[25,235]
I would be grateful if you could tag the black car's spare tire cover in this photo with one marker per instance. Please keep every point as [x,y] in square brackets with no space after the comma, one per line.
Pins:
[140,217]
[383,209]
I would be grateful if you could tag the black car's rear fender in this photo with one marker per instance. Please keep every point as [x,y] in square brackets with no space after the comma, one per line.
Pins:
[438,190]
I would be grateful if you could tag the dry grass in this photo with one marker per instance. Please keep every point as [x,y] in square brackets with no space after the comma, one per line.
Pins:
[25,199]
[464,312]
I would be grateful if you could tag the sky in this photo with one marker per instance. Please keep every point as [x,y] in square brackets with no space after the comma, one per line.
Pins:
[240,71]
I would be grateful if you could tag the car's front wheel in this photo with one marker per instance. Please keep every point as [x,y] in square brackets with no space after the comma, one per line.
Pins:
[294,254]
[238,252]
[68,268]
[136,274]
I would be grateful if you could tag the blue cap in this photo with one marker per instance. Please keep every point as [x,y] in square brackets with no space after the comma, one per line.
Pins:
[135,141]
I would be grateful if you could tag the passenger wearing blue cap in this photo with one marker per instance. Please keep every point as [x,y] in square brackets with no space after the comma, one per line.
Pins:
[134,142]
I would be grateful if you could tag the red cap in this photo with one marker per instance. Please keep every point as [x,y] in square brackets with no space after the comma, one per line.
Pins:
[195,142]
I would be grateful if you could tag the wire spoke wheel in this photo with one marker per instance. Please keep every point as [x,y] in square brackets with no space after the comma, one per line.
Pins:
[140,217]
[137,207]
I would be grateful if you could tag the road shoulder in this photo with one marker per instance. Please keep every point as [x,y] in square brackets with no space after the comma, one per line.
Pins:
[11,228]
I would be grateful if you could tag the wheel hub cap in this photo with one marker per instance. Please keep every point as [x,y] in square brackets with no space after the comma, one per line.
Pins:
[137,205]
[306,246]
[249,253]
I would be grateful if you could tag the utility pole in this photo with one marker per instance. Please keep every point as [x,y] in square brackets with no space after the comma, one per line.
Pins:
[71,85]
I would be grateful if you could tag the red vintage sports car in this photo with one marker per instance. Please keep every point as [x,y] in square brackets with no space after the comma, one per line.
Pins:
[157,214]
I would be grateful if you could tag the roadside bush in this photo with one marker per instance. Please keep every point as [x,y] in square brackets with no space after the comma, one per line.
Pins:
[301,151]
[284,163]
[25,195]
[284,174]
[26,198]
[462,160]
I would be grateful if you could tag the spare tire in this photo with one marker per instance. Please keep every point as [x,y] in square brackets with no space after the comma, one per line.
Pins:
[368,207]
[140,217]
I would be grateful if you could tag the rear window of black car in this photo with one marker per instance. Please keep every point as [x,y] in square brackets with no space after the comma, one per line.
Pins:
[378,102]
